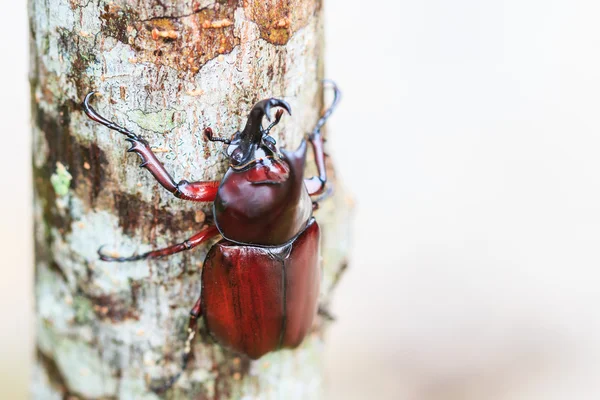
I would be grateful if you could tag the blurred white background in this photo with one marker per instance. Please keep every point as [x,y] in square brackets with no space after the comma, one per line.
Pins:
[469,134]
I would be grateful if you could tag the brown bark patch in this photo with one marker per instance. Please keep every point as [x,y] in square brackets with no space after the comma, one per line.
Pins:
[85,162]
[113,308]
[279,19]
[119,23]
[137,217]
[80,50]
[232,370]
[54,374]
[185,42]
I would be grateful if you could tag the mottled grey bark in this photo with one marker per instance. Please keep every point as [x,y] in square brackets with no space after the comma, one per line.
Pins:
[166,69]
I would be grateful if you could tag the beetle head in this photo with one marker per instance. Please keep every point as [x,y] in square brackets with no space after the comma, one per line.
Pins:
[254,141]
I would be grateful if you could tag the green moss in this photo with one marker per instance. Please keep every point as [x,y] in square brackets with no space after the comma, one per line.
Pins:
[61,180]
[83,310]
[160,121]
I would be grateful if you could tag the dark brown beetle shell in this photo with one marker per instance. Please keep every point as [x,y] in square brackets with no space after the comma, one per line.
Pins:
[259,299]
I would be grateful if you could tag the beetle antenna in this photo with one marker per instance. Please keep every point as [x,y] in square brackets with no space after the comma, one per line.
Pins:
[208,133]
[278,116]
[93,115]
[329,111]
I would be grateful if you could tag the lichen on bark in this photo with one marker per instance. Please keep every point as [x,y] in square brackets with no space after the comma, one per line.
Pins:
[165,69]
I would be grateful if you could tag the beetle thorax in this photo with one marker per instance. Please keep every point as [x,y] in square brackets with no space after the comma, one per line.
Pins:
[264,203]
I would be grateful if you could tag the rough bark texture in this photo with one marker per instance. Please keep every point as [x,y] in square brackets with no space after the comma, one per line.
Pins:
[166,69]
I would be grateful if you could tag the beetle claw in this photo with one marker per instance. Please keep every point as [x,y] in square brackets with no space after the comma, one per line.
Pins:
[328,111]
[94,116]
[104,256]
[108,258]
[277,103]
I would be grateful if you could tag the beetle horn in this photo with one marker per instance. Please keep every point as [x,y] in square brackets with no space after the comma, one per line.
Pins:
[266,105]
[260,110]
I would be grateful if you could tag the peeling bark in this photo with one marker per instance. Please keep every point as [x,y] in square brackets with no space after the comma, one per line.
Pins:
[166,69]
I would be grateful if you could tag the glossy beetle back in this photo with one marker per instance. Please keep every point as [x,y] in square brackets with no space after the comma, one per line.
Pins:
[256,299]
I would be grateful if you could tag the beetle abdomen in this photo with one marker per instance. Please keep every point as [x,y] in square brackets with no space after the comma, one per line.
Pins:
[259,299]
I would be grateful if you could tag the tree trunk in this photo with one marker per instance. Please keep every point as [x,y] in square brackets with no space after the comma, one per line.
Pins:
[165,69]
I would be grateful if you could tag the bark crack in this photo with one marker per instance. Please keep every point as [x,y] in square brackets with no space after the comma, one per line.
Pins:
[175,17]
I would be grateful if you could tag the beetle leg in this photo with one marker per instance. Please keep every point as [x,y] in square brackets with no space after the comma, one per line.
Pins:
[325,314]
[192,242]
[316,184]
[195,191]
[192,329]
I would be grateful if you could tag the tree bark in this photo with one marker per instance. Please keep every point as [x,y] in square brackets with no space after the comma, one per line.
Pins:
[165,69]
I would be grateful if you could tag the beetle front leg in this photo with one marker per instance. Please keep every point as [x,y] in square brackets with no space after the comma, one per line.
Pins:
[316,184]
[192,242]
[194,191]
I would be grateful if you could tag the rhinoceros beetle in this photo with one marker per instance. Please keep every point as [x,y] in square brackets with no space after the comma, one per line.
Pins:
[260,282]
